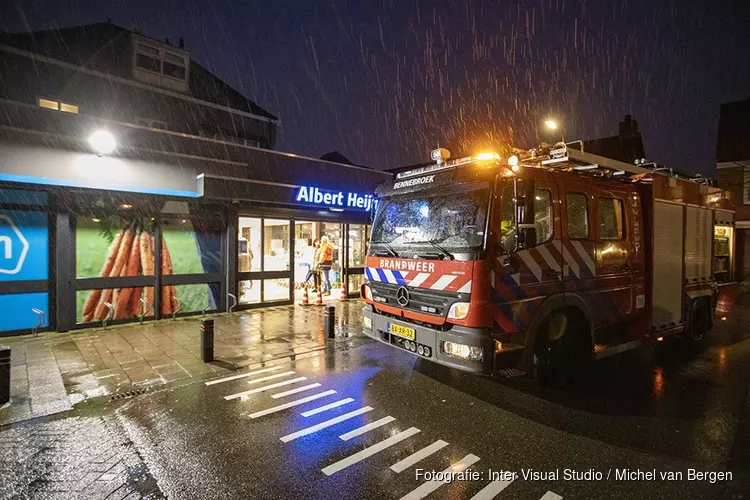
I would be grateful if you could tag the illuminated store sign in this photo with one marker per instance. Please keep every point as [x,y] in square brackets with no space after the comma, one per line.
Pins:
[335,199]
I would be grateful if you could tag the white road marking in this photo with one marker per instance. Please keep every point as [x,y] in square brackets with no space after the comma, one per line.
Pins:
[430,486]
[442,282]
[265,388]
[242,375]
[367,428]
[295,391]
[291,404]
[369,451]
[425,452]
[492,489]
[327,423]
[269,377]
[330,406]
[551,496]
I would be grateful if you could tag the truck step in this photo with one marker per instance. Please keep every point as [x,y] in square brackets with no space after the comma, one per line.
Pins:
[604,350]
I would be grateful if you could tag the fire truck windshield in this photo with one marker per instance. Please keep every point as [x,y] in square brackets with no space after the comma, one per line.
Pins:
[445,221]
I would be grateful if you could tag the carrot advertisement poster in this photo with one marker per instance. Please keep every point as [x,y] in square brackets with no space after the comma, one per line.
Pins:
[117,247]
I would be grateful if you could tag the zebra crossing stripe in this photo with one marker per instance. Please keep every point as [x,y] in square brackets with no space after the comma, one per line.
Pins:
[425,452]
[367,428]
[264,388]
[327,423]
[430,486]
[321,409]
[492,489]
[242,375]
[296,390]
[291,404]
[369,451]
[269,377]
[551,496]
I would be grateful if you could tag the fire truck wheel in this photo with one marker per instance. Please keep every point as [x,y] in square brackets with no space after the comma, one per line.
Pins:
[697,336]
[560,350]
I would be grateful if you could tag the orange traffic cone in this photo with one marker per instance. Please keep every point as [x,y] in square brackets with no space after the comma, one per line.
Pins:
[305,297]
[319,298]
[344,295]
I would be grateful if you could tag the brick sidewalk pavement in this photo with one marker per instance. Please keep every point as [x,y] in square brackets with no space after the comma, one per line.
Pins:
[55,370]
[74,457]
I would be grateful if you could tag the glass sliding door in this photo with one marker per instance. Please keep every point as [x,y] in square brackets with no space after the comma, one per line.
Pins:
[357,240]
[265,257]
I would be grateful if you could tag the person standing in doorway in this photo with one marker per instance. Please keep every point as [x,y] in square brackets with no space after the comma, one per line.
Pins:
[326,261]
[314,271]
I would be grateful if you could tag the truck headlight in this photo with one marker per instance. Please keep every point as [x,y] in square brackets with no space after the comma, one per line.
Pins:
[463,351]
[458,310]
[367,322]
[366,292]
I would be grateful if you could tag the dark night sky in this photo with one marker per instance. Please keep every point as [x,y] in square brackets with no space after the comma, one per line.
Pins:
[383,82]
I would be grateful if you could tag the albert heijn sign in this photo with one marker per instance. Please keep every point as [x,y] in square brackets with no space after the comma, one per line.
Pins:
[335,199]
[23,245]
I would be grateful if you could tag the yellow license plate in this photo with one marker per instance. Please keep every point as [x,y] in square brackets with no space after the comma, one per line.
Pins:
[402,331]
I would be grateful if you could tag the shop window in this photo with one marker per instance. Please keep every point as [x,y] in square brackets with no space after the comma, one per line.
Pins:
[275,289]
[190,299]
[611,219]
[543,215]
[191,246]
[249,244]
[249,291]
[357,245]
[275,245]
[333,232]
[578,215]
[91,305]
[114,247]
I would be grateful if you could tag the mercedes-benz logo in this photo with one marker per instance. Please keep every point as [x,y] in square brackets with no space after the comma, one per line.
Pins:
[402,296]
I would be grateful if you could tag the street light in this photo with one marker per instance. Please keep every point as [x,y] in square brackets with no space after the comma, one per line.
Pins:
[102,142]
[552,125]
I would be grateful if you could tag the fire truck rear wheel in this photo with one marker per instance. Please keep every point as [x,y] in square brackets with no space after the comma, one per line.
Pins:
[697,335]
[560,349]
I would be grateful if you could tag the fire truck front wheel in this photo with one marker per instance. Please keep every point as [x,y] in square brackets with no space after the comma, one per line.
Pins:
[560,349]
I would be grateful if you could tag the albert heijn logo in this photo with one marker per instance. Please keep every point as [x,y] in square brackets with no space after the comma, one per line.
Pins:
[13,246]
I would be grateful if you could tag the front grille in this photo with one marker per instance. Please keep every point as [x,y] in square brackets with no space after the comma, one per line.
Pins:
[418,298]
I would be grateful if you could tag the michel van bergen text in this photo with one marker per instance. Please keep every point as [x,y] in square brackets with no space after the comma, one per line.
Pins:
[574,475]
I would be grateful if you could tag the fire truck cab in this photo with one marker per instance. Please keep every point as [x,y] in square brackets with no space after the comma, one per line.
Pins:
[542,262]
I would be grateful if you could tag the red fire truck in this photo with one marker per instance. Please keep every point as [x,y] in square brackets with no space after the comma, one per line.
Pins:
[545,261]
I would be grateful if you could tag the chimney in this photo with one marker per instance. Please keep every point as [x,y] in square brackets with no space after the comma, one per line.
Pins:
[628,128]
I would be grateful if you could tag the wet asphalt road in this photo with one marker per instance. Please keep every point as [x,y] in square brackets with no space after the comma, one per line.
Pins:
[660,410]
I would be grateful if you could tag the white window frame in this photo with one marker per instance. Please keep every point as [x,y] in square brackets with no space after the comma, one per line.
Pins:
[164,54]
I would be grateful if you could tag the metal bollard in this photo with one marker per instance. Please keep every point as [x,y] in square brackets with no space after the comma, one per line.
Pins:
[329,321]
[4,374]
[207,340]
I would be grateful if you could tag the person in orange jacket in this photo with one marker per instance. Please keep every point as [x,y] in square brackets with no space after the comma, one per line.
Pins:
[326,262]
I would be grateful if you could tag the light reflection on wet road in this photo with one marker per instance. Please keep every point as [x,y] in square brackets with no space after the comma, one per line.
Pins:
[665,412]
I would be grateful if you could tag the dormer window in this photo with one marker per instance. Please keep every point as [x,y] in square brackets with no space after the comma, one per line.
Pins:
[159,64]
